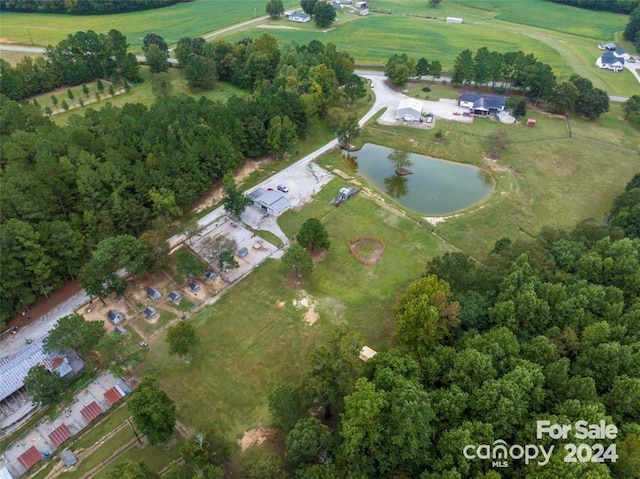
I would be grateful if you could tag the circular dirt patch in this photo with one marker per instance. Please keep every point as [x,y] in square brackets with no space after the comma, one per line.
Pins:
[367,250]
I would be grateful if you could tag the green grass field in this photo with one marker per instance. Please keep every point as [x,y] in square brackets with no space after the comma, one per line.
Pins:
[250,341]
[172,23]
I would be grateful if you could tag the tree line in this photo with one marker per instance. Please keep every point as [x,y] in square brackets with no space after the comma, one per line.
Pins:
[632,30]
[615,6]
[84,7]
[81,57]
[131,170]
[511,70]
[545,329]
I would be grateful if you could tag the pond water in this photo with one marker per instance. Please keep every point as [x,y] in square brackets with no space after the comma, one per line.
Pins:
[436,187]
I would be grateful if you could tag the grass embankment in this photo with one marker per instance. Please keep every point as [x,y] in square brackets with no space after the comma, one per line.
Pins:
[254,338]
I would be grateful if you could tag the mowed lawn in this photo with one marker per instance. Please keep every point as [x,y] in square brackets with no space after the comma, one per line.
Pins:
[254,338]
[172,23]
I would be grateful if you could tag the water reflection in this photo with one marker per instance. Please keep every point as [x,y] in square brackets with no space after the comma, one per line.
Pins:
[432,186]
[397,186]
[351,162]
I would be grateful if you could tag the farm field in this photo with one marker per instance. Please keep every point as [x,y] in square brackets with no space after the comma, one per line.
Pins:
[172,23]
[247,346]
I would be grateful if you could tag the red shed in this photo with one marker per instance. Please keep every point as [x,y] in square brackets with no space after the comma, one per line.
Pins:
[531,122]
[30,457]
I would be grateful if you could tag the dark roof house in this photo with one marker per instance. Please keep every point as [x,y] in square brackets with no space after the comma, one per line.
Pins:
[193,287]
[114,316]
[150,312]
[153,292]
[610,61]
[482,104]
[175,297]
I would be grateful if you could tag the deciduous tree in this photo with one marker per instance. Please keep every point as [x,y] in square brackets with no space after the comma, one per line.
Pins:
[131,470]
[354,88]
[308,443]
[74,332]
[153,411]
[274,8]
[156,59]
[45,387]
[234,200]
[181,338]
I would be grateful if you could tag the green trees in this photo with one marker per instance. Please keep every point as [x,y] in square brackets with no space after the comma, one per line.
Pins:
[308,6]
[591,102]
[463,68]
[181,338]
[632,108]
[73,332]
[156,59]
[202,455]
[274,8]
[45,387]
[200,72]
[297,260]
[131,470]
[281,135]
[324,14]
[308,443]
[153,411]
[348,130]
[234,200]
[633,26]
[399,68]
[313,235]
[424,314]
[354,88]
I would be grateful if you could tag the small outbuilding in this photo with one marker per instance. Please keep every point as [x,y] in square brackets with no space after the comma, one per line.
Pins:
[531,122]
[361,5]
[150,312]
[68,458]
[209,275]
[153,292]
[194,287]
[175,297]
[409,110]
[367,353]
[115,316]
[299,17]
[454,20]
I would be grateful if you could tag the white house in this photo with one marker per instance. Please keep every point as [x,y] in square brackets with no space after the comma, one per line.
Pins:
[410,110]
[610,61]
[299,17]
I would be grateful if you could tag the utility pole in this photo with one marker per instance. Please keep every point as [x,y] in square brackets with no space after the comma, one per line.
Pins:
[254,12]
[29,32]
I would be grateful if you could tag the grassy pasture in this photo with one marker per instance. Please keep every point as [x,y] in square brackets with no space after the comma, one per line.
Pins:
[249,341]
[552,16]
[172,23]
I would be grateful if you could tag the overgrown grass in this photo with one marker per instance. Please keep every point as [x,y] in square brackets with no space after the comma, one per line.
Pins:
[254,338]
[155,457]
[148,328]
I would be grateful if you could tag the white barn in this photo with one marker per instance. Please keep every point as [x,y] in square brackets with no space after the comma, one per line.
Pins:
[410,110]
[454,20]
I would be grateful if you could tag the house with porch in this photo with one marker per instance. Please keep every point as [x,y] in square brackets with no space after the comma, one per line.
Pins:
[483,105]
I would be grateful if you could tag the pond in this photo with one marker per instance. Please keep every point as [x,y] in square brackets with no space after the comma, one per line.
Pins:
[436,187]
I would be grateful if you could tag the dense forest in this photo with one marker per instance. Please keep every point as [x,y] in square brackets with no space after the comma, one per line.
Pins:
[84,7]
[117,170]
[81,57]
[615,6]
[544,330]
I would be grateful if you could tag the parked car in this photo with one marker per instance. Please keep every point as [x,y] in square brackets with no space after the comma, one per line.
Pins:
[283,188]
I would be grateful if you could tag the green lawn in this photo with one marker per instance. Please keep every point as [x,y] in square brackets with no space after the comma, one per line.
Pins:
[155,457]
[172,23]
[250,341]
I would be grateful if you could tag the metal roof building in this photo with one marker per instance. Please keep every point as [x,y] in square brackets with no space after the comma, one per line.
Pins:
[15,367]
[91,411]
[30,457]
[272,202]
[59,435]
[409,109]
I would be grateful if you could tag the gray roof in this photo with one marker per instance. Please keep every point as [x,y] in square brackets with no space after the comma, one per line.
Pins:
[174,295]
[620,51]
[608,58]
[274,200]
[484,102]
[15,367]
[153,291]
[150,312]
[68,458]
[255,194]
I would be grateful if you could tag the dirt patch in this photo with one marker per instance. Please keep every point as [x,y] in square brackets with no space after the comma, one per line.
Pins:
[215,195]
[97,311]
[256,437]
[318,255]
[280,304]
[366,249]
[307,302]
[311,316]
[43,306]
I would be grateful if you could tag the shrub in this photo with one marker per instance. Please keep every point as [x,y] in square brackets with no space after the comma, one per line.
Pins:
[426,89]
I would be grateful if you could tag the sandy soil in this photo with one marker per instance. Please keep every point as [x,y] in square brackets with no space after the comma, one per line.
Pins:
[256,437]
[215,195]
[305,301]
